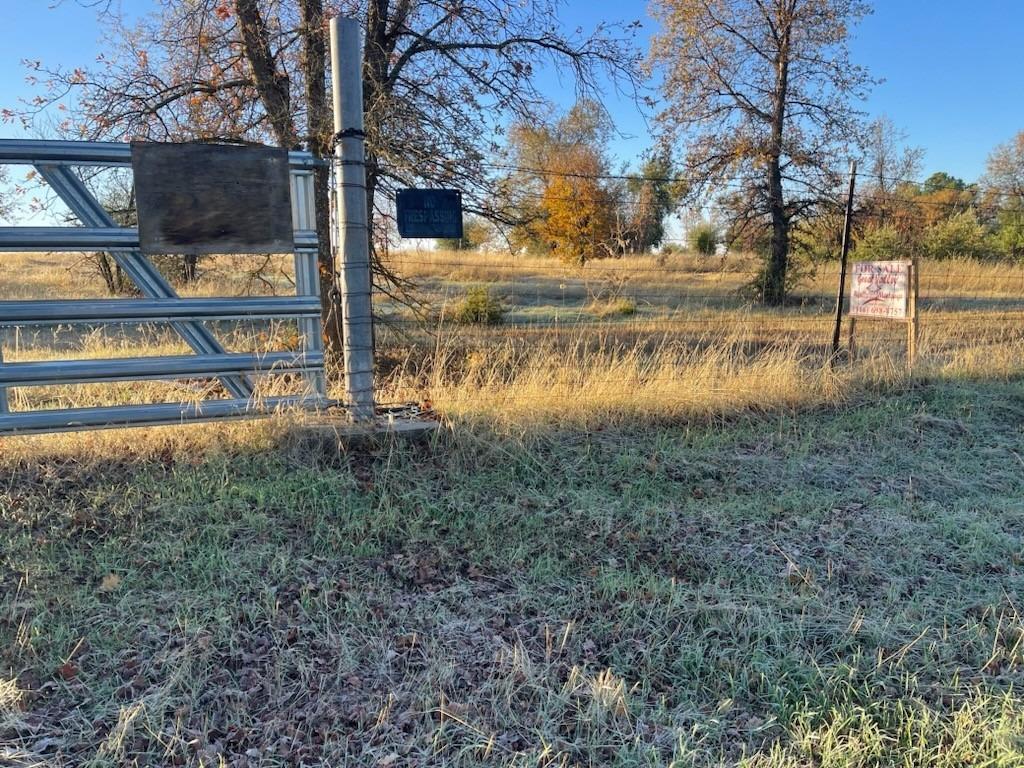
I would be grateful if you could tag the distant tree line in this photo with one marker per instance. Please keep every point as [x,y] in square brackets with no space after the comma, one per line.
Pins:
[756,121]
[945,217]
[941,217]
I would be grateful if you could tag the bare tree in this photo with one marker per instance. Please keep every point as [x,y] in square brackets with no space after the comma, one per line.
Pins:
[888,172]
[116,194]
[761,90]
[1003,195]
[441,80]
[6,203]
[888,161]
[1004,172]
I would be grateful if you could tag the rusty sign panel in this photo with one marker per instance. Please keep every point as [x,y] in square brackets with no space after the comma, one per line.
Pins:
[212,198]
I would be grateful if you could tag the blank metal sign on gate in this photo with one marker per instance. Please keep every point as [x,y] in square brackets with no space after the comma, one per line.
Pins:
[212,198]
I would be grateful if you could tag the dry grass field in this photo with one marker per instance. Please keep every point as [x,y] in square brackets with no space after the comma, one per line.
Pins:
[669,535]
[629,336]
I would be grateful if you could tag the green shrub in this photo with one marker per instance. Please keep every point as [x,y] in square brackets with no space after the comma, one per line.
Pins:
[476,232]
[704,239]
[959,236]
[479,307]
[820,238]
[1008,239]
[798,270]
[880,244]
[623,306]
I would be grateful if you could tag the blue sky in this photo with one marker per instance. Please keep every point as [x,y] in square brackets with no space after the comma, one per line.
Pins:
[952,74]
[952,70]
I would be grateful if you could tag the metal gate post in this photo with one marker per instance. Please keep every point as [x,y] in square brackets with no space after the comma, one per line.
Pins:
[353,219]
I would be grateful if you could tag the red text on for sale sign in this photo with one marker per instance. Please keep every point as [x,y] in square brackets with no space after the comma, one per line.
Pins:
[880,289]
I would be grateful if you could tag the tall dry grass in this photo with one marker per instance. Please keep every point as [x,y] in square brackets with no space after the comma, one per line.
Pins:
[73,276]
[700,362]
[573,382]
[486,265]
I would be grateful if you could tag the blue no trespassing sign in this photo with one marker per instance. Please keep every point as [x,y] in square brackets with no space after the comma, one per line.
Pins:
[429,213]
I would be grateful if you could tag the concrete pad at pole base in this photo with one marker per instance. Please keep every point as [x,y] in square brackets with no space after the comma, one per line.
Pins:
[348,435]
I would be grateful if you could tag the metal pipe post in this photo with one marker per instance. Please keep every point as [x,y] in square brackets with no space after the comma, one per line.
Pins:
[842,263]
[353,246]
[4,405]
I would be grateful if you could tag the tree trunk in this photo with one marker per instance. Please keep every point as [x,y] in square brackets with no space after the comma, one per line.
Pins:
[375,77]
[773,292]
[271,84]
[104,264]
[189,268]
[314,66]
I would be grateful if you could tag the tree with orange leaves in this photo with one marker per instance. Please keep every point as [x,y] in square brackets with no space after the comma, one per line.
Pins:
[561,186]
[579,212]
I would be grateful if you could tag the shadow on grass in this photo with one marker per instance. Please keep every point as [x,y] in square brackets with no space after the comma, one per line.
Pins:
[792,588]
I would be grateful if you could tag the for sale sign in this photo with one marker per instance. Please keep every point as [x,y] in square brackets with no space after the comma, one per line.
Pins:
[880,289]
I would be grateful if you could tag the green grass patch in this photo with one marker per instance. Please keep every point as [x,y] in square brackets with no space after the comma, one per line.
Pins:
[836,588]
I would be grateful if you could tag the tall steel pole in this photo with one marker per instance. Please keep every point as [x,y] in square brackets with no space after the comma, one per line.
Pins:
[840,295]
[353,246]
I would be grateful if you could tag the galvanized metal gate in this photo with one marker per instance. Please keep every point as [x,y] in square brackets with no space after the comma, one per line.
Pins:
[54,160]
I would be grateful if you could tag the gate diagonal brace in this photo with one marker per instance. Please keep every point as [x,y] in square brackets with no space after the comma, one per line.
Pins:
[147,277]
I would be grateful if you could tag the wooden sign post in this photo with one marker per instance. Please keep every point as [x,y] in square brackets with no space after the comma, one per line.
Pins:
[886,290]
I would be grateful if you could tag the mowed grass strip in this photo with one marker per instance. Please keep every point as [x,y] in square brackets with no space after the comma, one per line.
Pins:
[835,587]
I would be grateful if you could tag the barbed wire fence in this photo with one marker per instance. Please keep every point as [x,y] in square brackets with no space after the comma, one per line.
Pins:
[500,302]
[514,314]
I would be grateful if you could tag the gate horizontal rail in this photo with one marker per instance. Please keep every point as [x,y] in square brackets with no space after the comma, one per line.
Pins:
[112,417]
[55,160]
[52,372]
[47,239]
[96,311]
[98,153]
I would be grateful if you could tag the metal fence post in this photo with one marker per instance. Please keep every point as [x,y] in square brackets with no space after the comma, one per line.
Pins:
[847,222]
[4,405]
[353,220]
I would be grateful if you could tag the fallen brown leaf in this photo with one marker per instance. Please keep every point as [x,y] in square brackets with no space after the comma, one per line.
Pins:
[110,582]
